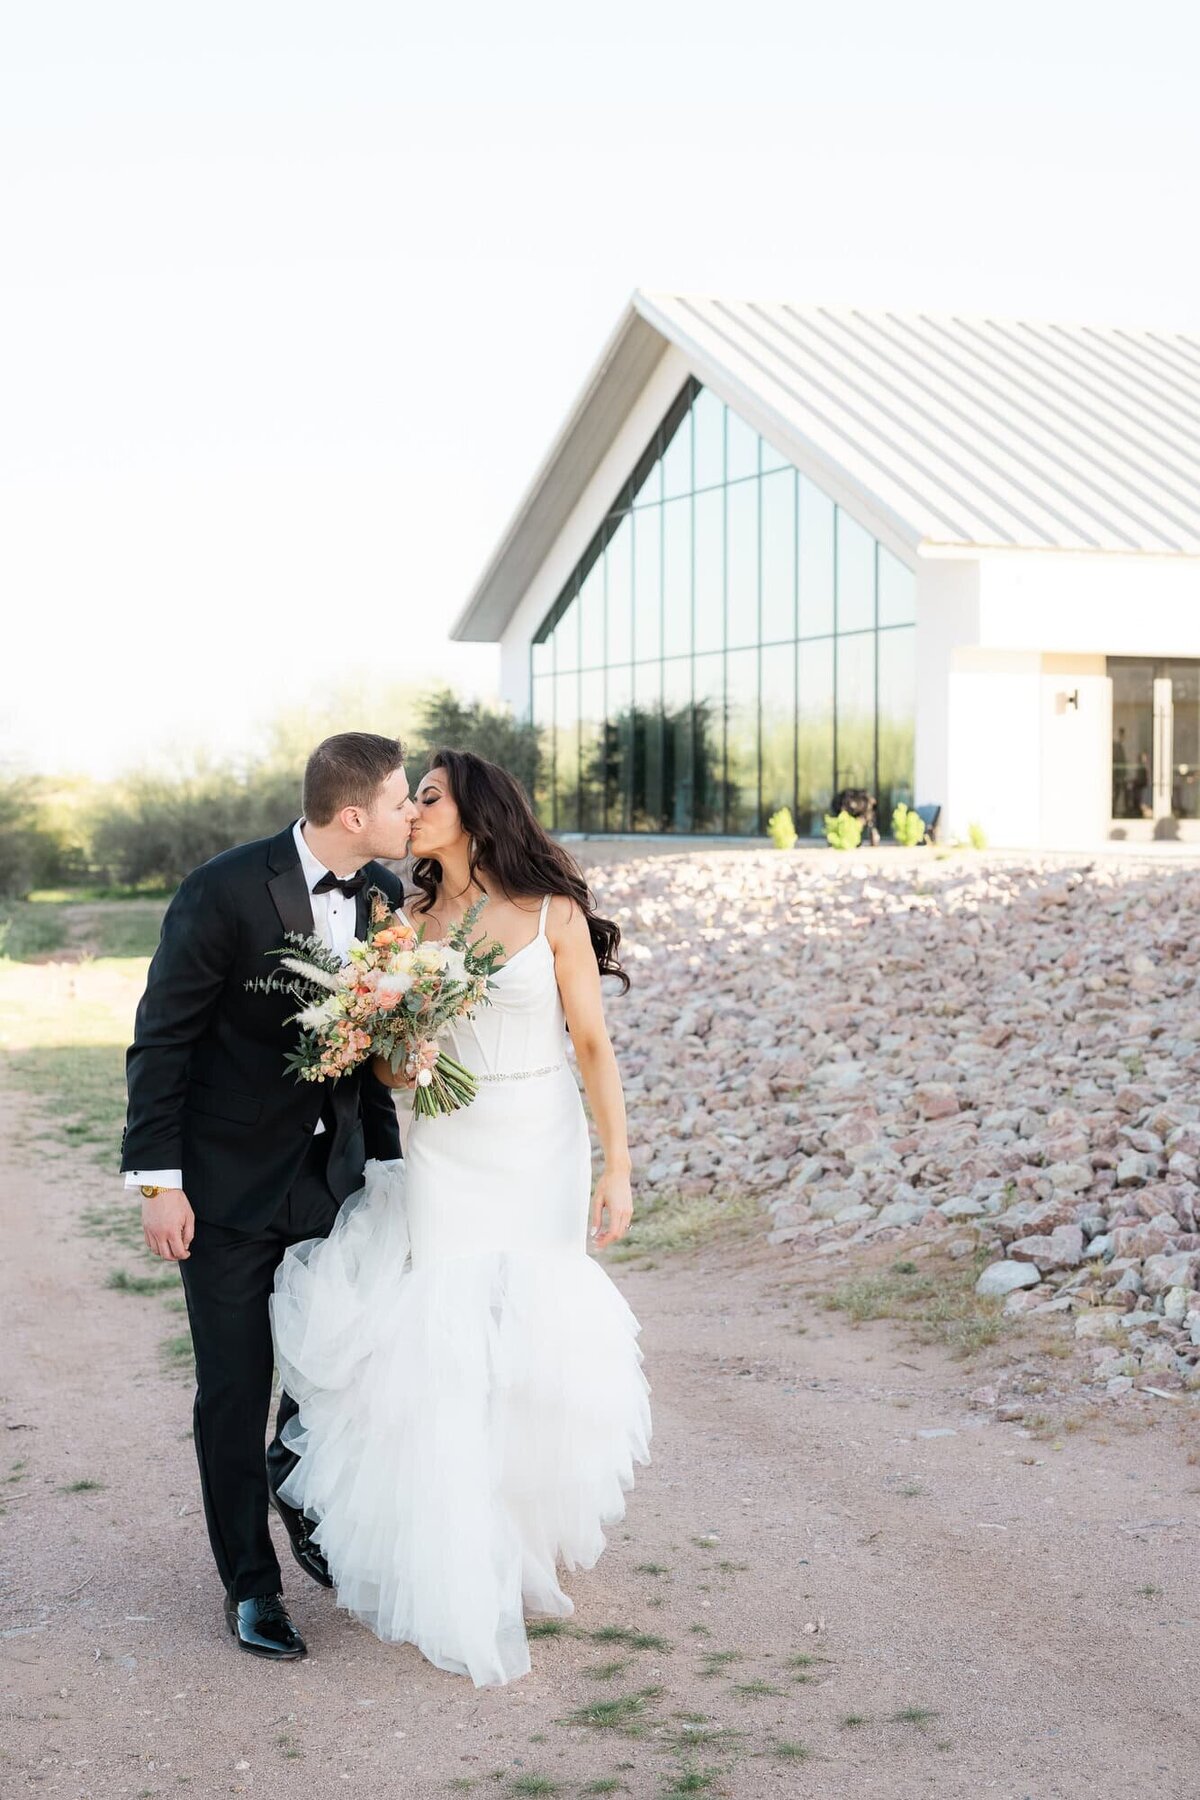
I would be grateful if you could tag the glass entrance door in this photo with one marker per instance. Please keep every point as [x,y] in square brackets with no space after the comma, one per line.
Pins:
[1156,747]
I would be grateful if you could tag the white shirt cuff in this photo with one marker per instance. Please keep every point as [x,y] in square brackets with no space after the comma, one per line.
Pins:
[166,1178]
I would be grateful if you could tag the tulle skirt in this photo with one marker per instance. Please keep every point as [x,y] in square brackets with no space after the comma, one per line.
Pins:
[465,1426]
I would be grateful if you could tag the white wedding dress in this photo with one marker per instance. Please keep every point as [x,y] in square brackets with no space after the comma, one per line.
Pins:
[471,1395]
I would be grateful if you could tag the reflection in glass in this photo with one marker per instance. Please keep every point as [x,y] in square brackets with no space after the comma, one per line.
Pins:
[566,753]
[708,743]
[778,728]
[741,449]
[897,727]
[855,575]
[1185,738]
[677,577]
[897,591]
[543,721]
[591,750]
[709,416]
[647,583]
[618,603]
[709,541]
[778,557]
[814,734]
[816,561]
[677,461]
[618,749]
[566,639]
[741,741]
[742,563]
[646,799]
[677,744]
[856,711]
[590,605]
[1133,739]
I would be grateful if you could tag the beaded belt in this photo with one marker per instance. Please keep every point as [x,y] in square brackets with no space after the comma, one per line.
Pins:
[521,1074]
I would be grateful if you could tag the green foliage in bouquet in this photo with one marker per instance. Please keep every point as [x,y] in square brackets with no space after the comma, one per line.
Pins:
[844,832]
[908,827]
[781,829]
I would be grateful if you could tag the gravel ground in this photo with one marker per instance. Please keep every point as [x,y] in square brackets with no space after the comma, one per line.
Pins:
[818,1492]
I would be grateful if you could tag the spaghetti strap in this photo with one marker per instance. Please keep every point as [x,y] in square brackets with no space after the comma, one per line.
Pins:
[541,930]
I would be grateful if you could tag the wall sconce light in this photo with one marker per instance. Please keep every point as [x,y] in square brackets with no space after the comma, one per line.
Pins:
[1072,699]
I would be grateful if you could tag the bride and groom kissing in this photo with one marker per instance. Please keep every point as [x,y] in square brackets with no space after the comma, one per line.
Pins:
[463,1400]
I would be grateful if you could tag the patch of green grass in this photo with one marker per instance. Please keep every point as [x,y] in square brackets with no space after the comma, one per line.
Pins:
[689,1781]
[547,1628]
[82,1087]
[941,1306]
[791,1751]
[28,929]
[717,1661]
[913,1715]
[700,1630]
[650,1568]
[667,1222]
[732,1568]
[1149,1591]
[850,1720]
[84,1486]
[626,1713]
[758,1689]
[606,1671]
[604,1784]
[632,1640]
[534,1784]
[177,1352]
[125,1283]
[706,1543]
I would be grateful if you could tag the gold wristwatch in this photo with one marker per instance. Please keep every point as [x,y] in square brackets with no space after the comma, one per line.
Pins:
[149,1190]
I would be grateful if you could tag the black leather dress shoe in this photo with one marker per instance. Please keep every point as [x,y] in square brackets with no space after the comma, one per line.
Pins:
[262,1627]
[299,1530]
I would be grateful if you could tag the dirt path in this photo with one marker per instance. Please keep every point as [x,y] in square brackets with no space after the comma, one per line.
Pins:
[1041,1602]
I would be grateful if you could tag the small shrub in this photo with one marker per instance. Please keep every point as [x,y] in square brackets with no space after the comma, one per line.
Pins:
[977,837]
[908,827]
[843,832]
[782,830]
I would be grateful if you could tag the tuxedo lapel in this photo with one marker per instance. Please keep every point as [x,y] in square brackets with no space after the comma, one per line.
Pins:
[287,886]
[362,913]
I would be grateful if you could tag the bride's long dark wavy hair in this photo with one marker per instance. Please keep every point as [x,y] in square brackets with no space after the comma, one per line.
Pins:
[511,851]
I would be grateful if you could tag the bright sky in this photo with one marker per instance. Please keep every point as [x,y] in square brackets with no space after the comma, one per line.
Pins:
[296,295]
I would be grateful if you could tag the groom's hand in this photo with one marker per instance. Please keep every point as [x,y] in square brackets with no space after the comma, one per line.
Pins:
[168,1224]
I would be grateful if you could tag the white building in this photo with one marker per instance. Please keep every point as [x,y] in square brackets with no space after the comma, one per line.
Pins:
[776,551]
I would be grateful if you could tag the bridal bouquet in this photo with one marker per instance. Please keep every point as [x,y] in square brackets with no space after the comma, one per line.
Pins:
[390,998]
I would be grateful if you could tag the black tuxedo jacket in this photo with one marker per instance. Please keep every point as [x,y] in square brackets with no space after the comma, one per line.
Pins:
[208,1092]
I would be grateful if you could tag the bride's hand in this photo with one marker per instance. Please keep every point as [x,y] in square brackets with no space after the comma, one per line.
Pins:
[382,1071]
[614,1197]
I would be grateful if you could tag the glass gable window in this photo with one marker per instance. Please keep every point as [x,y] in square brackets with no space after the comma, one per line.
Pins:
[732,642]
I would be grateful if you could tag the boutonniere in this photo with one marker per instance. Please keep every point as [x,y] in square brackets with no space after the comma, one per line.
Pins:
[381,906]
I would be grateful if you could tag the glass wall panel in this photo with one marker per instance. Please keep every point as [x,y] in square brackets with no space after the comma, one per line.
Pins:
[543,721]
[741,741]
[677,461]
[814,734]
[778,728]
[647,583]
[856,711]
[708,743]
[646,799]
[677,577]
[855,575]
[677,744]
[741,449]
[742,563]
[710,570]
[566,639]
[591,750]
[816,561]
[618,749]
[618,601]
[897,720]
[1133,739]
[590,605]
[734,644]
[709,416]
[778,557]
[897,591]
[566,752]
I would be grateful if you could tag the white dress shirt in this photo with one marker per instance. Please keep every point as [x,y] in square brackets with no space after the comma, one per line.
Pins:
[334,918]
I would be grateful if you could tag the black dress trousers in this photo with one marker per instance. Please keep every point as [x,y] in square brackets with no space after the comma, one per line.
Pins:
[228,1280]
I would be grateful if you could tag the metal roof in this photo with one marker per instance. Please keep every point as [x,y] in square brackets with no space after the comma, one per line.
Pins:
[957,432]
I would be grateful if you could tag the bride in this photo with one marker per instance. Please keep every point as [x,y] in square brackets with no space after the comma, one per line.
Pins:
[471,1398]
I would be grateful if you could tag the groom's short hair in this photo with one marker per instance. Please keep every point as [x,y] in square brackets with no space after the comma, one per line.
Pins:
[348,770]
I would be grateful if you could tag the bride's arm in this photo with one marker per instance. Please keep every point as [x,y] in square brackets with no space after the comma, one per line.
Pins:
[579,985]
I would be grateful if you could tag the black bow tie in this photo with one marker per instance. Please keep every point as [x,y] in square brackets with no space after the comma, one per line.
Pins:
[353,884]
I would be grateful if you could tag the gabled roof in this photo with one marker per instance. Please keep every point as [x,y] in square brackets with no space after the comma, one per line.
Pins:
[959,433]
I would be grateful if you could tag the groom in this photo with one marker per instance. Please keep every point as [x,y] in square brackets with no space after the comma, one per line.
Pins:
[236,1160]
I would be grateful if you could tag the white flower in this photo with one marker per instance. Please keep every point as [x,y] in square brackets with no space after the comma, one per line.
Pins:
[394,984]
[430,957]
[425,1078]
[455,964]
[310,972]
[313,1017]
